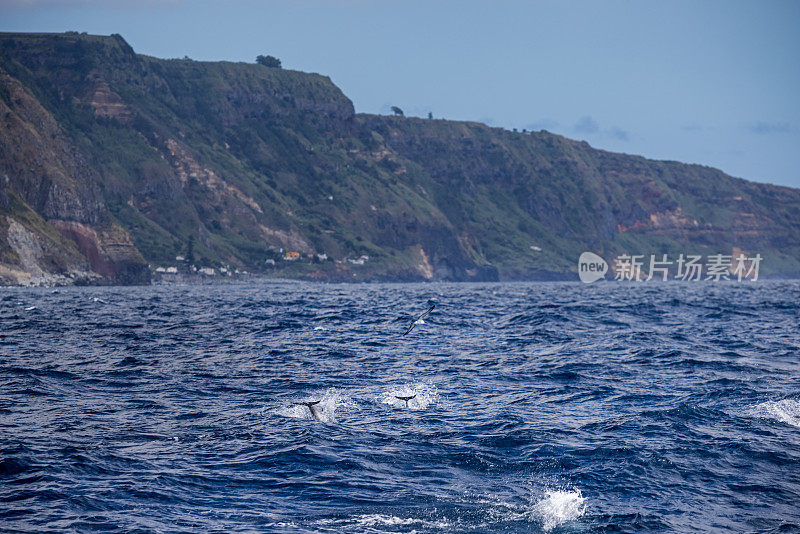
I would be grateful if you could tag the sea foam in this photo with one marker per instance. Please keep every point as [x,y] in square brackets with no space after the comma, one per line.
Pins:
[558,507]
[424,395]
[381,523]
[786,410]
[329,403]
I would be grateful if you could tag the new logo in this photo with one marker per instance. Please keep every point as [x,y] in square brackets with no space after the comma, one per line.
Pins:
[591,267]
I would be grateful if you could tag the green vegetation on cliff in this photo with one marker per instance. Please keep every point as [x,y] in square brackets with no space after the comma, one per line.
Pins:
[250,163]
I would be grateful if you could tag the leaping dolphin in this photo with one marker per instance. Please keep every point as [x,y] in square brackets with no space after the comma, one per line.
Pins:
[311,408]
[406,398]
[419,320]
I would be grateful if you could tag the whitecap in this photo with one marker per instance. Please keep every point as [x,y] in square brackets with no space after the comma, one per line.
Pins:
[374,520]
[423,396]
[326,409]
[786,411]
[558,507]
[377,523]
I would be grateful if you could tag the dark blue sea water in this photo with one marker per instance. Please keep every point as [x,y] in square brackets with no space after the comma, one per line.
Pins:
[555,407]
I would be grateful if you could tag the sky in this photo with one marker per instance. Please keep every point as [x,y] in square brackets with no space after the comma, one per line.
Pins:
[714,82]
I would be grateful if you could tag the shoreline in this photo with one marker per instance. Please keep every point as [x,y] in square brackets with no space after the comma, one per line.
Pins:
[253,279]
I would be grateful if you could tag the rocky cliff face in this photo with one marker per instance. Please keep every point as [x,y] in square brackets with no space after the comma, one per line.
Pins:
[50,197]
[110,161]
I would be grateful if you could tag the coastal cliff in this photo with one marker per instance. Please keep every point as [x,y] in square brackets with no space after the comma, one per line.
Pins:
[113,165]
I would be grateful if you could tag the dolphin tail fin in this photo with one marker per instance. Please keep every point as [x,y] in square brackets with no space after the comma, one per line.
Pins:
[307,404]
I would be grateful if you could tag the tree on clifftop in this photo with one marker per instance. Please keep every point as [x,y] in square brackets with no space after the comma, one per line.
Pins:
[397,111]
[269,61]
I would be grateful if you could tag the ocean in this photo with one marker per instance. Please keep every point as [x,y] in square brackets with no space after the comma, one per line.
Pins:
[535,407]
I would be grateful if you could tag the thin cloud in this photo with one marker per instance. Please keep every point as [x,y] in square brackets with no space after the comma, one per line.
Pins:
[769,128]
[619,133]
[587,125]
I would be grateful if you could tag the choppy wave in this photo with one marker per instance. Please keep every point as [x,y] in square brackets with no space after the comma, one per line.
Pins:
[786,411]
[536,408]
